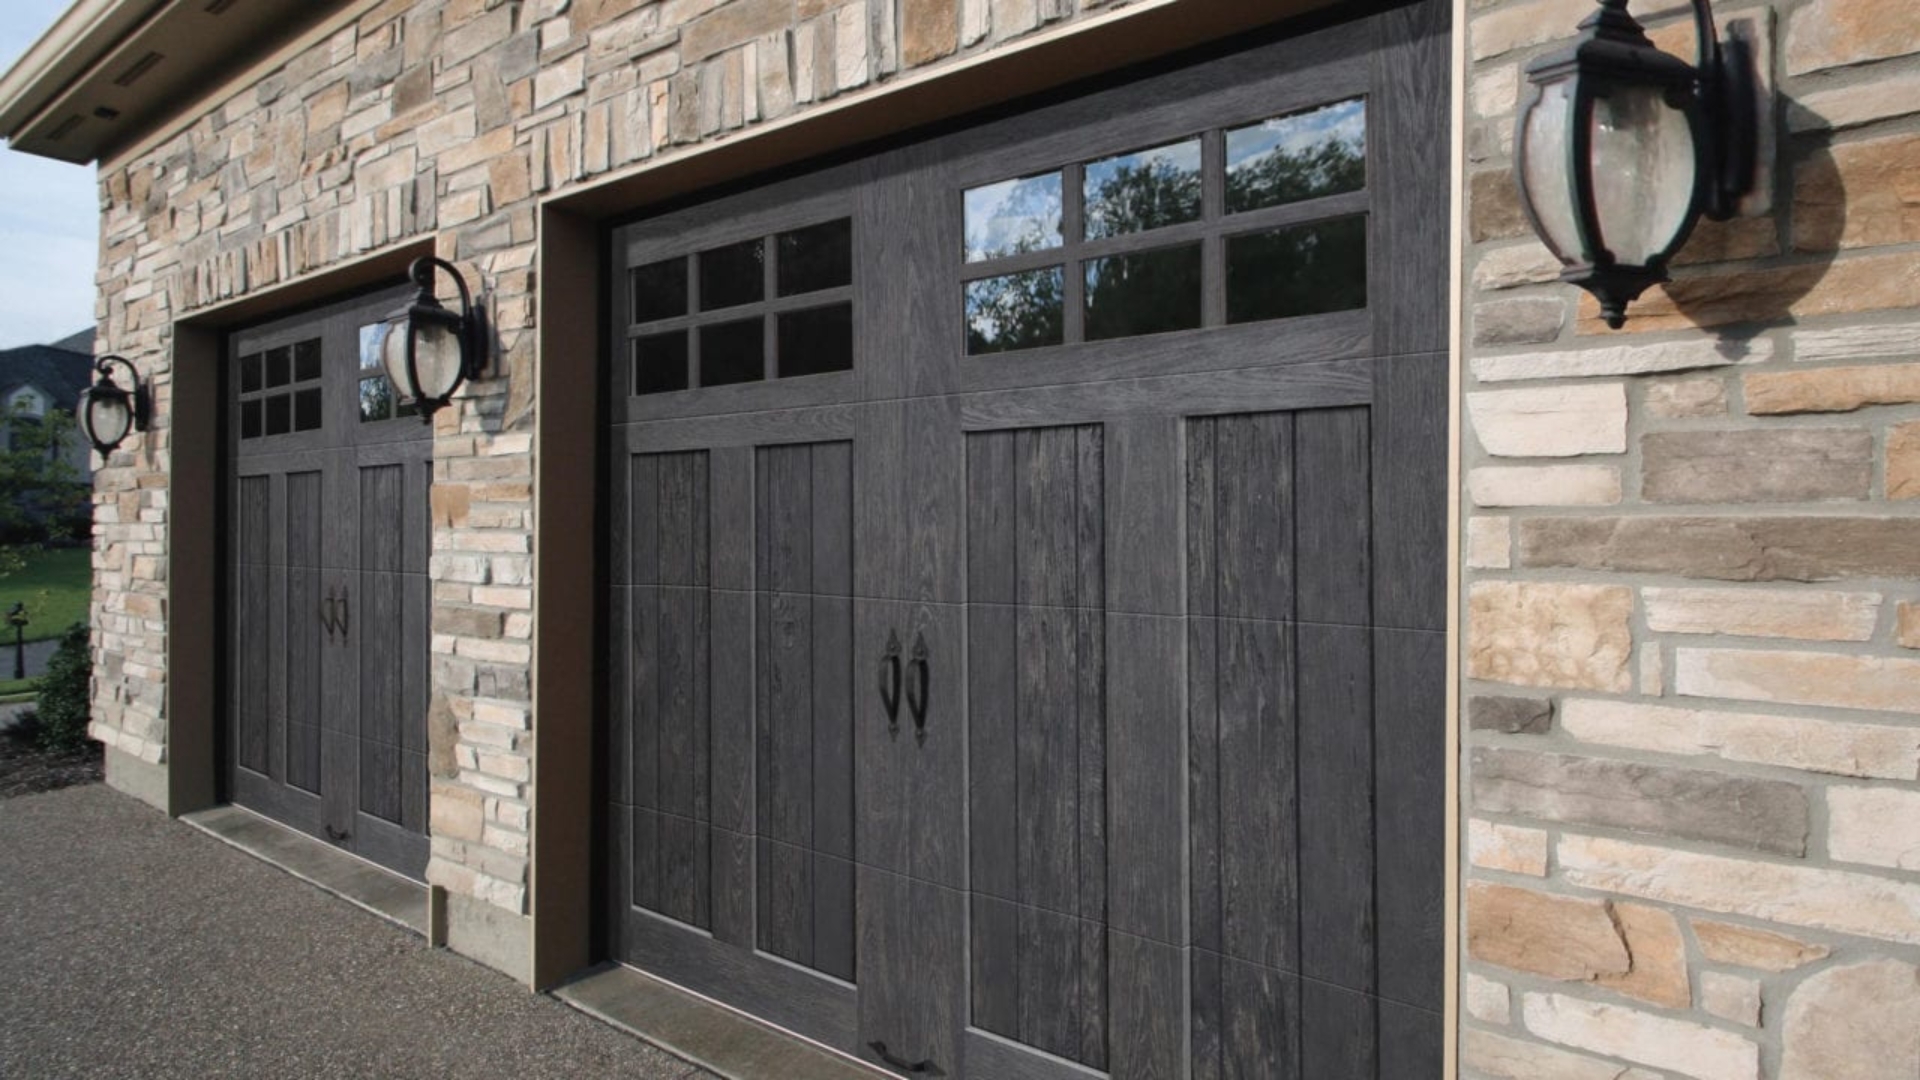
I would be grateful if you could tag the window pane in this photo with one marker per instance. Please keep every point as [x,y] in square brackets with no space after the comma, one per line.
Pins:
[660,290]
[306,361]
[279,414]
[731,275]
[1148,293]
[816,341]
[279,366]
[660,363]
[1144,190]
[1015,311]
[1304,156]
[250,419]
[250,373]
[1300,270]
[733,352]
[376,399]
[818,257]
[306,410]
[372,339]
[1013,216]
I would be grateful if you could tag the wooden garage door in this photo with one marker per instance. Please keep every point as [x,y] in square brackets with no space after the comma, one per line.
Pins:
[1028,580]
[327,544]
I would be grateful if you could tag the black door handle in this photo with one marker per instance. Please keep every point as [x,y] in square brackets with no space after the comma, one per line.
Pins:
[326,614]
[890,682]
[345,614]
[918,687]
[916,1068]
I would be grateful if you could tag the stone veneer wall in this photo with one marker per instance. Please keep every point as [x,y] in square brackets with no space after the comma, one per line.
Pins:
[1693,592]
[447,119]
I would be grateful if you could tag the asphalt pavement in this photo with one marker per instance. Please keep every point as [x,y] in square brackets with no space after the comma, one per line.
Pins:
[136,946]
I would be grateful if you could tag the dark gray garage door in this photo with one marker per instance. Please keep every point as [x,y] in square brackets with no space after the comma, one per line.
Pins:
[327,542]
[1027,580]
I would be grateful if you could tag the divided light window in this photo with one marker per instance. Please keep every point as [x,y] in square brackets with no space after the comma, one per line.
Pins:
[280,390]
[774,307]
[1233,225]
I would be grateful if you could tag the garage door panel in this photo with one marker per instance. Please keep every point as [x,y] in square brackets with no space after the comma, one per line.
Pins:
[1410,764]
[1411,58]
[1335,825]
[1410,491]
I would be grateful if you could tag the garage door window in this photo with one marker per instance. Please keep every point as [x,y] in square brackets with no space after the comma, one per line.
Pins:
[1136,243]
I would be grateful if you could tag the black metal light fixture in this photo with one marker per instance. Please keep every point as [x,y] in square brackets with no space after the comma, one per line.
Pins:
[109,412]
[1620,148]
[429,351]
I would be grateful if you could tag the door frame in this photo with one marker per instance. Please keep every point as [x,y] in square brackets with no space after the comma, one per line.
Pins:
[568,876]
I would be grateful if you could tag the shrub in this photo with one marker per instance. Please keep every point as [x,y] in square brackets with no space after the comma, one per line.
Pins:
[65,692]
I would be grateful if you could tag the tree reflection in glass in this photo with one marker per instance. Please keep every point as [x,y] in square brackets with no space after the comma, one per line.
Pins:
[1306,155]
[1299,270]
[1015,311]
[1013,216]
[1146,293]
[1143,190]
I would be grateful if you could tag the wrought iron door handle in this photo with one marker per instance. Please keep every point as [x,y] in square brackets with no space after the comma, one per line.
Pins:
[917,1068]
[327,617]
[890,682]
[346,614]
[917,688]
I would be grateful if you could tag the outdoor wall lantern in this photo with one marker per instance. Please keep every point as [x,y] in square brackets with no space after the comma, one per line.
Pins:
[108,412]
[429,351]
[1621,147]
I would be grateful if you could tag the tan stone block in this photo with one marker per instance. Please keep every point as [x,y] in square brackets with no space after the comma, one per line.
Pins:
[1866,283]
[1521,25]
[1495,92]
[1861,1022]
[1907,625]
[1800,678]
[1559,937]
[1687,399]
[454,812]
[1554,421]
[1523,320]
[1725,548]
[1765,815]
[1851,106]
[465,622]
[1489,543]
[1858,195]
[1513,1059]
[1868,905]
[1510,715]
[1830,33]
[1680,1046]
[1517,850]
[1730,241]
[1659,971]
[1495,212]
[1793,742]
[1774,613]
[450,503]
[1731,997]
[1544,485]
[1514,265]
[1875,826]
[1768,465]
[1551,634]
[1621,360]
[556,82]
[1900,340]
[1488,1001]
[509,179]
[1903,461]
[929,30]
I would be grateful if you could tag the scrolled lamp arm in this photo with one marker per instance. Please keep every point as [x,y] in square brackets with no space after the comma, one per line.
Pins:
[133,397]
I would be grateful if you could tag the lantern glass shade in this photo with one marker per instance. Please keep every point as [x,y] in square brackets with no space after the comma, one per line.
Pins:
[1645,170]
[1544,165]
[436,357]
[108,416]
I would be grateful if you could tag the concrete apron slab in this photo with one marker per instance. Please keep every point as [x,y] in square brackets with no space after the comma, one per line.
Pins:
[703,1031]
[382,892]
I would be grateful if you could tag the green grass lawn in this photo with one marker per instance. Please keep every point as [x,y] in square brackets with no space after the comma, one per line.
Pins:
[56,585]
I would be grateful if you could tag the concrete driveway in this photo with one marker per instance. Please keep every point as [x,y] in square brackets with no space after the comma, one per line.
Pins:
[135,946]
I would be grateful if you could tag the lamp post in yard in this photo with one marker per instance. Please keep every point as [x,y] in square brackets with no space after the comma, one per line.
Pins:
[17,618]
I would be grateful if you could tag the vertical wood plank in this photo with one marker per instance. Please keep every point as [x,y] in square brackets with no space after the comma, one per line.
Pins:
[1142,465]
[1335,826]
[1148,1021]
[1410,491]
[1410,780]
[1338,1032]
[1258,794]
[1260,1023]
[1146,766]
[1254,515]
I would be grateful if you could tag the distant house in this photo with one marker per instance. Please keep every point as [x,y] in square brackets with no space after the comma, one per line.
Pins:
[39,379]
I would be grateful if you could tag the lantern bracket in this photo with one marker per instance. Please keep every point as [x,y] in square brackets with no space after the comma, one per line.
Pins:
[139,401]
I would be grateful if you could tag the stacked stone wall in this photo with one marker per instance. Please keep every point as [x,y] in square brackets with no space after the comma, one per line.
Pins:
[1693,594]
[448,120]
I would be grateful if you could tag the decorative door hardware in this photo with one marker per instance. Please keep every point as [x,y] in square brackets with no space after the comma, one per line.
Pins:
[915,1068]
[890,682]
[334,614]
[917,689]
